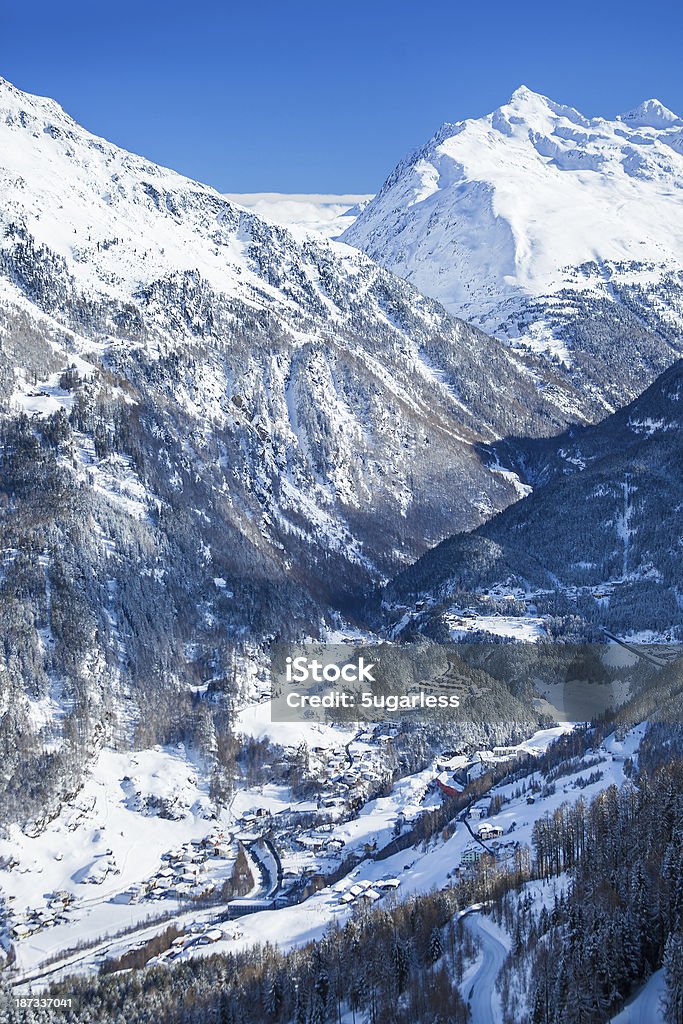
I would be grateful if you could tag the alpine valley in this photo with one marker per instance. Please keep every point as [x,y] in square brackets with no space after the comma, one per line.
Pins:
[596,546]
[221,427]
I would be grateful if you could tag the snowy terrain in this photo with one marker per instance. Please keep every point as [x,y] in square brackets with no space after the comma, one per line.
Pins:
[599,532]
[331,377]
[347,399]
[646,1006]
[107,839]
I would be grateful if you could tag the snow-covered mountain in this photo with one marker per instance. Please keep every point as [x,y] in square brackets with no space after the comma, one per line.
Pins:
[330,377]
[556,232]
[214,432]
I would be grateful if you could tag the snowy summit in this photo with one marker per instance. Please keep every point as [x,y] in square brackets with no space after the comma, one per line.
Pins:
[528,201]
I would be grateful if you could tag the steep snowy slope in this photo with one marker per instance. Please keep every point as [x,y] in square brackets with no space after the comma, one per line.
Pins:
[534,221]
[338,376]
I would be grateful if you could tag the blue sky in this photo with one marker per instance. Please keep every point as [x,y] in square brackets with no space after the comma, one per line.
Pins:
[325,97]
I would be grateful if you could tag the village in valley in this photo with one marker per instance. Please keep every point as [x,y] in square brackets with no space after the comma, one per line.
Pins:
[83,887]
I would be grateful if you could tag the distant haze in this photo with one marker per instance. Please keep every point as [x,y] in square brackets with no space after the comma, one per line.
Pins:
[327,215]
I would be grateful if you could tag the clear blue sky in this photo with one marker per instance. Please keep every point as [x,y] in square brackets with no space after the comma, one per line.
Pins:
[324,96]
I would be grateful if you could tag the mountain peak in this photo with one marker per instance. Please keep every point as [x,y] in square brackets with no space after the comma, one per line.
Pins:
[14,97]
[525,97]
[523,93]
[496,215]
[530,106]
[650,114]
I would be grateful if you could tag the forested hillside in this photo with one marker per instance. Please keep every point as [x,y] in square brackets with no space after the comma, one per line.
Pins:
[597,545]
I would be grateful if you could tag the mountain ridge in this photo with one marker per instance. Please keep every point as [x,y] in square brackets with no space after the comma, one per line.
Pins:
[214,433]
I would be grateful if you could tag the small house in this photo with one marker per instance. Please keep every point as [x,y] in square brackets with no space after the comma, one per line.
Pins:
[487,831]
[371,895]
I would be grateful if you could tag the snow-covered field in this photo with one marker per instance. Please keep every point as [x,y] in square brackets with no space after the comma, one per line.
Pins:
[526,628]
[40,399]
[104,841]
[255,720]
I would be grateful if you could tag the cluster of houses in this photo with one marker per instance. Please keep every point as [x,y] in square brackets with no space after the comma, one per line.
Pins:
[485,832]
[183,874]
[56,912]
[252,825]
[259,816]
[473,853]
[347,776]
[305,855]
[364,892]
[320,841]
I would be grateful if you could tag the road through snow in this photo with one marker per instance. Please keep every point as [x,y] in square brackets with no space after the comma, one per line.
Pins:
[646,1008]
[479,988]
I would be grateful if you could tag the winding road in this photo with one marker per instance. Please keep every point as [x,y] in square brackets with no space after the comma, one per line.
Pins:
[479,988]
